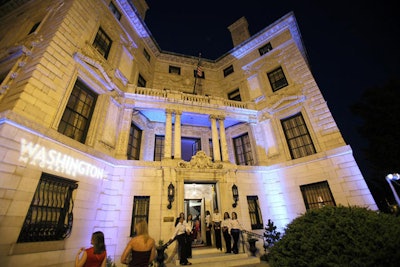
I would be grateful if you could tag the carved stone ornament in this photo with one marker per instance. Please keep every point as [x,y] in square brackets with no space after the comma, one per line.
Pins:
[200,161]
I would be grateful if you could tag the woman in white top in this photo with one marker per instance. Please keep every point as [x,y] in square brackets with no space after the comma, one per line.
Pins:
[235,229]
[216,218]
[225,225]
[180,233]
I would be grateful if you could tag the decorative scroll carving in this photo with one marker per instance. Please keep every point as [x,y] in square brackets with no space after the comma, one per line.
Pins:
[200,161]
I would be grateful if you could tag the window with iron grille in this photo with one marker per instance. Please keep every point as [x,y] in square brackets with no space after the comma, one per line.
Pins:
[141,205]
[174,70]
[102,43]
[255,213]
[141,81]
[115,11]
[146,55]
[78,113]
[265,49]
[277,79]
[228,70]
[50,216]
[317,195]
[134,142]
[242,148]
[235,95]
[159,148]
[297,136]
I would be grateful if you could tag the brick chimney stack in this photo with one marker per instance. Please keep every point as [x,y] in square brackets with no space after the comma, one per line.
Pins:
[239,31]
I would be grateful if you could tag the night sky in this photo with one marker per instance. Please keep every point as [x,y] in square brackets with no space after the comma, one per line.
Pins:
[350,44]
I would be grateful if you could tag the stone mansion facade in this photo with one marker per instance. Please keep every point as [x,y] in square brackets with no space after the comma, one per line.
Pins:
[100,128]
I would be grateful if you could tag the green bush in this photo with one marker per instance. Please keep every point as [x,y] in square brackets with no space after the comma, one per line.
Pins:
[339,236]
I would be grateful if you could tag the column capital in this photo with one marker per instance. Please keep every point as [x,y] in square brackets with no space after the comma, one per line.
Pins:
[213,117]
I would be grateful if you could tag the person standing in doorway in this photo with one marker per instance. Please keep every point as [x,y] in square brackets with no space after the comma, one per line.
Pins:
[216,218]
[208,228]
[235,229]
[189,225]
[225,226]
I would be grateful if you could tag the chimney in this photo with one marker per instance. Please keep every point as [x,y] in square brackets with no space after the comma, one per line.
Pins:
[239,31]
[141,7]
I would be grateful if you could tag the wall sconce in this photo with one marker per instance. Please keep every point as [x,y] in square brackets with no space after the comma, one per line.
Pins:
[235,194]
[171,195]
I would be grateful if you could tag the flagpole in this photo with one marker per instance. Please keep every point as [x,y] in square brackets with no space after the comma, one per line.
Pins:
[195,78]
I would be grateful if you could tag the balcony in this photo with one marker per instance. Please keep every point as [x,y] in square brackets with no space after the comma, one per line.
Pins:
[195,109]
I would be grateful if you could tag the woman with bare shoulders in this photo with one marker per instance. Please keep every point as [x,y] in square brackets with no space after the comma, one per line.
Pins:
[142,247]
[94,256]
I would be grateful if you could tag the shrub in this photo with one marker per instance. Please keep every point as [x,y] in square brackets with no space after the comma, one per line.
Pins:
[271,236]
[339,236]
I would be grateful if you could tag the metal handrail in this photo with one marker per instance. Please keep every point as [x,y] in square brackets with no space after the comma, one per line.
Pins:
[253,234]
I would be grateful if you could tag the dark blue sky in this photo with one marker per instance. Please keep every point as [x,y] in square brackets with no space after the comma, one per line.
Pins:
[351,45]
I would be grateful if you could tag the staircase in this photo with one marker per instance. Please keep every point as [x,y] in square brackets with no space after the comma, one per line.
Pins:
[212,257]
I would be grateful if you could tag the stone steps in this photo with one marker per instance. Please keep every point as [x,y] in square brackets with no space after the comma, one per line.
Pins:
[212,257]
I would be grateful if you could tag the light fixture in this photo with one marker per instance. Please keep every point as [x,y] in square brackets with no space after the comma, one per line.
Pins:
[171,195]
[235,194]
[389,179]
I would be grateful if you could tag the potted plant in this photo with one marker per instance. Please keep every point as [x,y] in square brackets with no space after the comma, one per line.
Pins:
[161,255]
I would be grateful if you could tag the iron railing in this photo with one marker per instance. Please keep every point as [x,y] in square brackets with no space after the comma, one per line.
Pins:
[50,216]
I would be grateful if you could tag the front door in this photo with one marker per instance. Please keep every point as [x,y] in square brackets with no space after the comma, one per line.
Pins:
[198,199]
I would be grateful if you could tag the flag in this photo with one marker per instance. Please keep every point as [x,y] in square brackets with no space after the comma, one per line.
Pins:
[199,70]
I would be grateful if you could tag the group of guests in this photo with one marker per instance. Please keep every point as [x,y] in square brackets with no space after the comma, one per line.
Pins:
[230,228]
[141,249]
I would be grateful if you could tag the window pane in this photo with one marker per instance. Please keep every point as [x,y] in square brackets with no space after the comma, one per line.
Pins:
[317,195]
[159,148]
[255,213]
[277,79]
[243,151]
[134,142]
[141,205]
[297,136]
[102,43]
[76,118]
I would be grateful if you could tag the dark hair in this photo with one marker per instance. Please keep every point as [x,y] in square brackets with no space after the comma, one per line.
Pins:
[226,215]
[234,215]
[98,242]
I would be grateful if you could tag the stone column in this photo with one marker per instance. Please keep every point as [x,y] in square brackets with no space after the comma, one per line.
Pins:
[215,141]
[125,126]
[224,146]
[168,135]
[177,136]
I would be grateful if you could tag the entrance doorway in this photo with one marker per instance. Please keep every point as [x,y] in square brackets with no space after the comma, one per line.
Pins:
[199,197]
